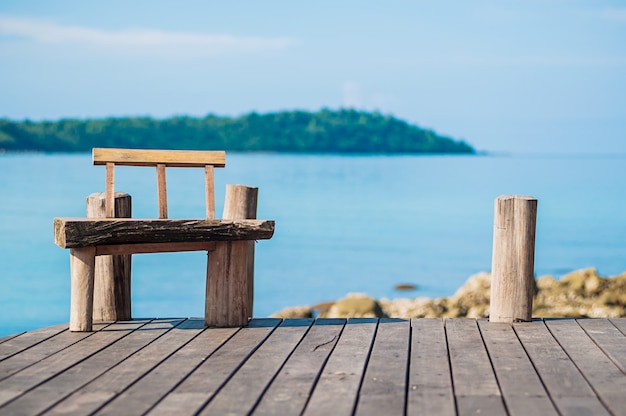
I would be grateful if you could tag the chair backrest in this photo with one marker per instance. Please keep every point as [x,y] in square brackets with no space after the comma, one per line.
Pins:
[159,159]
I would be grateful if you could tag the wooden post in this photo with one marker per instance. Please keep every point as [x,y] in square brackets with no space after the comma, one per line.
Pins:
[227,292]
[240,203]
[82,264]
[209,188]
[112,298]
[110,190]
[512,270]
[161,190]
[230,274]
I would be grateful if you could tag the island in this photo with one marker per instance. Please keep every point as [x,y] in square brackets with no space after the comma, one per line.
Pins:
[325,131]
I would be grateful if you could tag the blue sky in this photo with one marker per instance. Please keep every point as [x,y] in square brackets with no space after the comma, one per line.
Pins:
[517,76]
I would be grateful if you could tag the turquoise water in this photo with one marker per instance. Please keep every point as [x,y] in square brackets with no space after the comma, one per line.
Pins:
[343,224]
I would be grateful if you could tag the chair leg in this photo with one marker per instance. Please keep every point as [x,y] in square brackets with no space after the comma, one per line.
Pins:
[111,299]
[227,302]
[82,266]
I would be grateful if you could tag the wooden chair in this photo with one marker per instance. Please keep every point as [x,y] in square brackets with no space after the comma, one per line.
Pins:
[227,241]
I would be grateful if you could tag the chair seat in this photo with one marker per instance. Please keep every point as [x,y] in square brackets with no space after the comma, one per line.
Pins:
[88,232]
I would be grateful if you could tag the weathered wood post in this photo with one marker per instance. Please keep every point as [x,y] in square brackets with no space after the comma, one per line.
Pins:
[513,261]
[240,203]
[81,291]
[112,273]
[230,273]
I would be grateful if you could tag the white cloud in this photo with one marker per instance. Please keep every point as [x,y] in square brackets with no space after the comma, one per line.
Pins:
[47,32]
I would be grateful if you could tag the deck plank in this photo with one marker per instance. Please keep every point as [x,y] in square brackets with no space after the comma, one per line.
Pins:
[385,383]
[15,344]
[241,393]
[65,383]
[27,379]
[620,323]
[475,386]
[10,337]
[42,350]
[290,390]
[111,383]
[567,388]
[608,338]
[323,366]
[195,391]
[337,390]
[6,338]
[519,383]
[430,379]
[606,379]
[150,389]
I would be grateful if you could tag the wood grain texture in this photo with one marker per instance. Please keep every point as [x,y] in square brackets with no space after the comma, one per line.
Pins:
[240,308]
[204,383]
[384,385]
[16,343]
[620,323]
[512,269]
[152,387]
[568,389]
[170,158]
[209,191]
[10,337]
[323,366]
[241,392]
[83,232]
[161,190]
[55,364]
[337,390]
[605,377]
[519,383]
[608,338]
[109,204]
[290,390]
[82,267]
[112,299]
[168,337]
[41,349]
[103,361]
[475,385]
[430,379]
[240,202]
[153,248]
[226,301]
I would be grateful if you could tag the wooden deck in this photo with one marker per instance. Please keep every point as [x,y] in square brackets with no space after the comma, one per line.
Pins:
[321,367]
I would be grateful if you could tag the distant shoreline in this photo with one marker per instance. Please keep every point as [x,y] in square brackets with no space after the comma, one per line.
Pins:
[326,131]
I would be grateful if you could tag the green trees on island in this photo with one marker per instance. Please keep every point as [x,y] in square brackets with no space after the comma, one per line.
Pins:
[326,131]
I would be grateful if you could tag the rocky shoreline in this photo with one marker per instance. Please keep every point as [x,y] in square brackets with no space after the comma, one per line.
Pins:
[579,294]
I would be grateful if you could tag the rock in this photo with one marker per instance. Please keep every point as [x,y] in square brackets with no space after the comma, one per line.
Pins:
[546,283]
[355,305]
[585,282]
[322,308]
[413,308]
[472,299]
[405,286]
[581,293]
[294,312]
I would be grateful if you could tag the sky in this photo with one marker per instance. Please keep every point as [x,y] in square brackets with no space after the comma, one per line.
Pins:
[519,76]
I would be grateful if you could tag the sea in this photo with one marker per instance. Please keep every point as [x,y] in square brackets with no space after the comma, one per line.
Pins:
[344,223]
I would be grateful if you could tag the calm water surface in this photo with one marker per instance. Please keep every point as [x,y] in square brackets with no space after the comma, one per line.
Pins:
[343,224]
